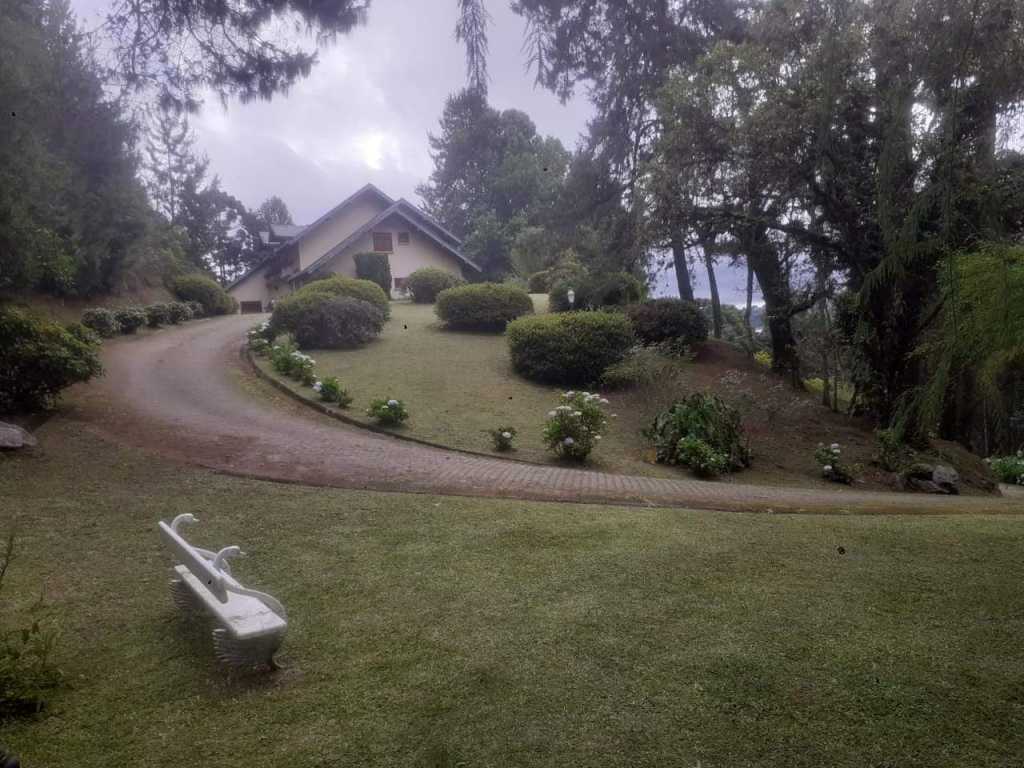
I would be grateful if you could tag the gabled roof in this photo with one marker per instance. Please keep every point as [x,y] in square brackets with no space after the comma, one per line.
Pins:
[411,214]
[367,189]
[288,231]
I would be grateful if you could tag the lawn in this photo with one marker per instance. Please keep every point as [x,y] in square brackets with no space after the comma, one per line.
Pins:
[430,631]
[460,385]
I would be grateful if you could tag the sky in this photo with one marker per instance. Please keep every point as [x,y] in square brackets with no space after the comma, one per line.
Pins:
[364,114]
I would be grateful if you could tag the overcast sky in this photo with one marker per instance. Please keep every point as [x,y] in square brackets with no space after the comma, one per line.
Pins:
[364,113]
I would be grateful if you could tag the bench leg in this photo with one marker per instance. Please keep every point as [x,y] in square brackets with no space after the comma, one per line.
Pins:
[248,654]
[183,597]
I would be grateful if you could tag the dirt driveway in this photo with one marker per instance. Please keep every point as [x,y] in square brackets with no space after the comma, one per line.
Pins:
[184,393]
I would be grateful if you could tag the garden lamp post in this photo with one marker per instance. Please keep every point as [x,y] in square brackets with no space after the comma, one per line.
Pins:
[571,295]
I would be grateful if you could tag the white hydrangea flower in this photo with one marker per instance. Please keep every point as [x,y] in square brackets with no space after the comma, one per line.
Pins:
[577,414]
[570,393]
[827,468]
[569,441]
[507,435]
[317,386]
[552,414]
[392,403]
[834,446]
[835,451]
[604,401]
[597,437]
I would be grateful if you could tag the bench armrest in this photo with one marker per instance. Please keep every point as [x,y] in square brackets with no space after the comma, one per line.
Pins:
[269,601]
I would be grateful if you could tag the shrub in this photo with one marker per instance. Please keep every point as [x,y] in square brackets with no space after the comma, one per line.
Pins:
[763,357]
[197,309]
[1008,469]
[637,369]
[130,319]
[705,418]
[83,334]
[39,358]
[503,437]
[388,412]
[205,291]
[288,310]
[539,282]
[668,319]
[830,460]
[157,315]
[704,460]
[893,454]
[335,322]
[570,348]
[178,312]
[331,391]
[281,359]
[424,284]
[101,320]
[260,338]
[376,268]
[573,429]
[482,306]
[596,292]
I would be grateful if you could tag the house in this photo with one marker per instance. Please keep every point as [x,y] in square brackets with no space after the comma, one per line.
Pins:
[367,221]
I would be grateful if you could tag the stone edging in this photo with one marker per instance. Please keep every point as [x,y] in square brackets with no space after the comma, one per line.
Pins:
[334,413]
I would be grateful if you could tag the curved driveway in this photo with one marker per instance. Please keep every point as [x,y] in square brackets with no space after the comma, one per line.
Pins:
[185,393]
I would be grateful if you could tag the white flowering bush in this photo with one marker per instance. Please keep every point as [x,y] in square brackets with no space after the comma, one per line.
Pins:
[503,437]
[1009,469]
[574,428]
[331,391]
[303,368]
[388,412]
[833,466]
[260,339]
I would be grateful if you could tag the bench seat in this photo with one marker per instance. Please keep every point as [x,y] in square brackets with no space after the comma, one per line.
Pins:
[244,617]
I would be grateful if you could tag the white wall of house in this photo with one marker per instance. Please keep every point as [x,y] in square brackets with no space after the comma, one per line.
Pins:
[255,288]
[420,251]
[332,232]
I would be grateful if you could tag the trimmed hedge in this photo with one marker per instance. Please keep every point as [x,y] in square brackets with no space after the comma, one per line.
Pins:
[661,320]
[130,319]
[597,291]
[424,284]
[206,291]
[39,358]
[178,312]
[337,322]
[539,282]
[482,306]
[157,315]
[569,348]
[339,285]
[302,313]
[376,268]
[101,320]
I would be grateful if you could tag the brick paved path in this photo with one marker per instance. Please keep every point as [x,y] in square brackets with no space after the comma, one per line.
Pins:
[184,393]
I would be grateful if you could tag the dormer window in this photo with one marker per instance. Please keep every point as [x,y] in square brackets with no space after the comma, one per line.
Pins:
[403,238]
[382,242]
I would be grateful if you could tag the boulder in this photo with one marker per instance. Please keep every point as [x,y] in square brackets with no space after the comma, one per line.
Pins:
[932,478]
[13,437]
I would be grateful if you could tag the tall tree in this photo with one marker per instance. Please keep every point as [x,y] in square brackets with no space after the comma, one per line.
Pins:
[273,210]
[172,166]
[493,175]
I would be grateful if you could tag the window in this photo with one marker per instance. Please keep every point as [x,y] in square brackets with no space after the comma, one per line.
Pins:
[382,242]
[400,283]
[403,238]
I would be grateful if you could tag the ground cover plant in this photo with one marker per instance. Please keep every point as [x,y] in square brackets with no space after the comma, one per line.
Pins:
[701,432]
[434,627]
[388,411]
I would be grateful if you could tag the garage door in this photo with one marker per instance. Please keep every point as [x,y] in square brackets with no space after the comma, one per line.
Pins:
[251,307]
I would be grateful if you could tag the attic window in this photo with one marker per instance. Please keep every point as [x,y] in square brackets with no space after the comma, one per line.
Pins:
[403,238]
[382,242]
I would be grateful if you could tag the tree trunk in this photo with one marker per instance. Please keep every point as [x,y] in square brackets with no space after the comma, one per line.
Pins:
[716,304]
[749,308]
[682,270]
[764,261]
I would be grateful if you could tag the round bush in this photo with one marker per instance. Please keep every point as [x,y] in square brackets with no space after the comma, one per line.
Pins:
[39,358]
[101,320]
[130,319]
[178,312]
[539,282]
[596,291]
[483,306]
[157,315]
[336,322]
[339,285]
[569,348]
[661,320]
[424,284]
[206,291]
[198,310]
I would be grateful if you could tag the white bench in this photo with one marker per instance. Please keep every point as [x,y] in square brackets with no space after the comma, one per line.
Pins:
[251,624]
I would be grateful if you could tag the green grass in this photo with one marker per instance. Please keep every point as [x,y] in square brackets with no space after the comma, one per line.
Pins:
[431,631]
[459,385]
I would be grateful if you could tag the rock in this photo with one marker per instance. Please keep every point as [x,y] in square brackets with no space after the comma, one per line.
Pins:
[932,478]
[13,437]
